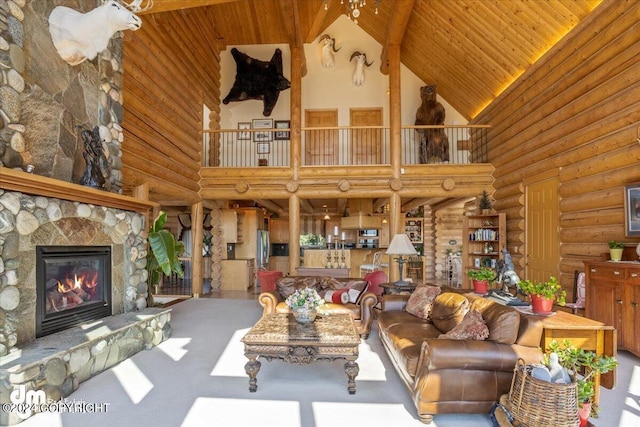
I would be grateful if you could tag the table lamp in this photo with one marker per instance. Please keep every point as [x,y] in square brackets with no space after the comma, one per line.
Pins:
[401,245]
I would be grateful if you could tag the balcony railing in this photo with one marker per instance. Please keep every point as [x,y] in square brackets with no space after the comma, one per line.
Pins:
[347,146]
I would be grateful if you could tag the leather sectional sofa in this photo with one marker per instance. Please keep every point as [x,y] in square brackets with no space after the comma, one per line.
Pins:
[361,311]
[456,375]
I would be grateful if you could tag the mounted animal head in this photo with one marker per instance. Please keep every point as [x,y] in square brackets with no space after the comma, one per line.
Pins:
[361,62]
[328,46]
[80,36]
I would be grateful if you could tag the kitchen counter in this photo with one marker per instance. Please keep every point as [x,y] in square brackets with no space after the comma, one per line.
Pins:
[317,258]
[238,274]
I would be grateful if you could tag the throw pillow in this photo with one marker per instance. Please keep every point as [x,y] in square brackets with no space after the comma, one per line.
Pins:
[356,290]
[472,327]
[421,301]
[341,296]
[448,310]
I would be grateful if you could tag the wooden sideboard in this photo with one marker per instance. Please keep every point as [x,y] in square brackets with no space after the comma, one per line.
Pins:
[613,297]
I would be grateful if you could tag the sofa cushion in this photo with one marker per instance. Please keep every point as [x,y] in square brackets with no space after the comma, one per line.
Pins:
[472,327]
[421,301]
[503,322]
[327,308]
[339,296]
[356,289]
[406,340]
[448,310]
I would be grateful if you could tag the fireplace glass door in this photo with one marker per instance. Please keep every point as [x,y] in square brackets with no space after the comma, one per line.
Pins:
[73,286]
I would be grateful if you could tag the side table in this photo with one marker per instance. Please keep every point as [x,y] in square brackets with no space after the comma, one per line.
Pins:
[391,288]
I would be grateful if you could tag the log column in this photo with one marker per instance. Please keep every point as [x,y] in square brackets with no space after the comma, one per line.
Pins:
[294,233]
[396,223]
[197,233]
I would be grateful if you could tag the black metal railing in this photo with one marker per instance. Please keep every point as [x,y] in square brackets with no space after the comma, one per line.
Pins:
[348,146]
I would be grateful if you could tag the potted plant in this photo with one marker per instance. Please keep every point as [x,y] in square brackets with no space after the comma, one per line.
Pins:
[615,250]
[162,257]
[543,294]
[303,303]
[481,279]
[485,204]
[582,365]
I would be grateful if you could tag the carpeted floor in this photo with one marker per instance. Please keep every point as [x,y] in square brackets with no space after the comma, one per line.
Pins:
[197,378]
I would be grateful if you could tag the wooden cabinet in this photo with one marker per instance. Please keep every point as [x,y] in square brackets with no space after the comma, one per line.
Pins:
[279,263]
[238,275]
[229,226]
[250,220]
[279,231]
[613,297]
[413,229]
[484,237]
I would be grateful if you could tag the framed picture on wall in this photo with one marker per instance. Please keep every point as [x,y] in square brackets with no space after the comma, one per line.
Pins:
[264,148]
[262,124]
[282,135]
[243,136]
[632,210]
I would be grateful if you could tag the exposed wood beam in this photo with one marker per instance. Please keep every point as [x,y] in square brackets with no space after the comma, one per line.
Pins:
[273,207]
[342,205]
[306,206]
[395,30]
[317,24]
[169,5]
[291,16]
[415,203]
[380,203]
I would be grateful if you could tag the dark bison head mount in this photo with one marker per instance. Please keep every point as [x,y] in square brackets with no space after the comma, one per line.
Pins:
[258,80]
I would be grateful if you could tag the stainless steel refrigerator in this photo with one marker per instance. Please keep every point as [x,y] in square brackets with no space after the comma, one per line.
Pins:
[262,253]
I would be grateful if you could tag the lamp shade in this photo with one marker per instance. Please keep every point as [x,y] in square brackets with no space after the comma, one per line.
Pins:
[401,245]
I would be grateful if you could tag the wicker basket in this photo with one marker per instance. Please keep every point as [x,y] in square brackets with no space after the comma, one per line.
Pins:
[537,403]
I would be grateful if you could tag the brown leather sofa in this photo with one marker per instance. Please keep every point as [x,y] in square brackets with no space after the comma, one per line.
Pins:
[361,312]
[456,376]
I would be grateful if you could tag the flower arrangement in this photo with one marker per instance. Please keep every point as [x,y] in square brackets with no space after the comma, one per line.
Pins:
[550,290]
[305,298]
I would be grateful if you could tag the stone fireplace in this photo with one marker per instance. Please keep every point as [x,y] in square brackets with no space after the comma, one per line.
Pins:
[73,286]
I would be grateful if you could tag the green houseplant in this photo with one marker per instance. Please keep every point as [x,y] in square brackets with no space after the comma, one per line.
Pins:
[481,278]
[582,365]
[164,250]
[615,250]
[543,294]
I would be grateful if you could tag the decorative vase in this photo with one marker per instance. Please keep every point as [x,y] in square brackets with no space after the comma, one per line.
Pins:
[480,286]
[584,413]
[541,304]
[304,315]
[616,254]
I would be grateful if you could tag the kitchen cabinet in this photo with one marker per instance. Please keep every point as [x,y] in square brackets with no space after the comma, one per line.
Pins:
[232,226]
[250,221]
[279,263]
[613,297]
[279,231]
[484,237]
[238,274]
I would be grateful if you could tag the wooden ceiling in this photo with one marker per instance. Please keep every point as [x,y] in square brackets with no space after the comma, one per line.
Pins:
[472,49]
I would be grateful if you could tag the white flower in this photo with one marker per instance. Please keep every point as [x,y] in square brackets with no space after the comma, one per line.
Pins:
[305,298]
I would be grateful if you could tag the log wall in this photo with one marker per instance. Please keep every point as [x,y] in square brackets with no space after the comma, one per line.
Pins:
[577,110]
[164,114]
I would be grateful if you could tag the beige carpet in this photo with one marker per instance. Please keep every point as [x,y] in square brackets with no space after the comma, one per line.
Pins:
[197,378]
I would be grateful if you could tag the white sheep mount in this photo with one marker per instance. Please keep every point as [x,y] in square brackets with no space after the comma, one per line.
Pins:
[80,36]
[361,62]
[328,45]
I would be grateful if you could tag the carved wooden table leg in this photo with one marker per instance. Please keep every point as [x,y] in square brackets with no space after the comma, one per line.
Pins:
[252,367]
[351,369]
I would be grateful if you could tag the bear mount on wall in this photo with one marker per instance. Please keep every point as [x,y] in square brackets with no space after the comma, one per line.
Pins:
[257,79]
[434,144]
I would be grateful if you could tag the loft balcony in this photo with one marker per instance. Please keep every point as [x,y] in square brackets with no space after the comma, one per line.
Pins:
[345,146]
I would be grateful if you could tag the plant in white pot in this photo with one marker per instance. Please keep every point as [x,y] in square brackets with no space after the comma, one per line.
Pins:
[615,250]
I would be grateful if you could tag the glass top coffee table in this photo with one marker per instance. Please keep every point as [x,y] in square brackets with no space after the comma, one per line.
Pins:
[280,336]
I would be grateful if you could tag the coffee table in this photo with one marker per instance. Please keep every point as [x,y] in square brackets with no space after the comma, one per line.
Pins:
[280,336]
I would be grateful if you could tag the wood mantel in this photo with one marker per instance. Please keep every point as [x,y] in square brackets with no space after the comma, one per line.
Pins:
[16,180]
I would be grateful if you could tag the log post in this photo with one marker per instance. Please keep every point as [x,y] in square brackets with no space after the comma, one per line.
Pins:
[197,233]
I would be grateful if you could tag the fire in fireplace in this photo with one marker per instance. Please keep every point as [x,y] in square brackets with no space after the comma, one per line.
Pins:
[73,285]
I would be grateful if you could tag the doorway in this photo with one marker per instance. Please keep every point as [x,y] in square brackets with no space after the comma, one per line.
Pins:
[366,144]
[321,146]
[541,225]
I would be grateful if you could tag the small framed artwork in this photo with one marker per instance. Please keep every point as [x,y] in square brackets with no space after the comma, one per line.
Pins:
[262,124]
[264,148]
[243,136]
[282,135]
[632,210]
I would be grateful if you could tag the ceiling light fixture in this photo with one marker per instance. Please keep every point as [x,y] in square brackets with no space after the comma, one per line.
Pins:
[326,213]
[353,7]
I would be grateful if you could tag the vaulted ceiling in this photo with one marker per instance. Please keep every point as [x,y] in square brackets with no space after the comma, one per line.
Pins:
[472,49]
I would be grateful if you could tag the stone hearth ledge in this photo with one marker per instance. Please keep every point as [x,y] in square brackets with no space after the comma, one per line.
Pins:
[58,363]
